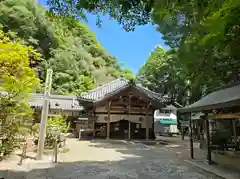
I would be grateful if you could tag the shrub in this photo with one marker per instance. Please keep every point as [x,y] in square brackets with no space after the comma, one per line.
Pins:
[55,127]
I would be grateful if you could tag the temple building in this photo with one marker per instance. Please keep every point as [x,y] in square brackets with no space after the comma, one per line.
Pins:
[120,109]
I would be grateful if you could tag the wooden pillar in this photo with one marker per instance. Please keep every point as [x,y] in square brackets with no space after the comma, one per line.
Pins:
[129,130]
[129,111]
[209,156]
[109,119]
[153,130]
[234,130]
[191,136]
[198,129]
[94,132]
[146,122]
[93,127]
[182,130]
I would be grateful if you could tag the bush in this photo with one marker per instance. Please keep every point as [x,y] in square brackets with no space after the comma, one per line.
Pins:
[55,127]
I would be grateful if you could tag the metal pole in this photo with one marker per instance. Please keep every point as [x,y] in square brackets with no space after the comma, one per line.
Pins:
[44,115]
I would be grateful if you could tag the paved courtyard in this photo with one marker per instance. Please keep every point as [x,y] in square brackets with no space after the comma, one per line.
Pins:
[117,160]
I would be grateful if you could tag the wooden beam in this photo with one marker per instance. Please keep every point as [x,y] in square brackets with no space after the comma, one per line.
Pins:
[123,113]
[147,127]
[109,118]
[234,131]
[126,109]
[126,103]
[227,116]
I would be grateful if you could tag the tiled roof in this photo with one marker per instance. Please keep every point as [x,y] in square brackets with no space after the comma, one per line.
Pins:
[227,97]
[114,87]
[100,92]
[151,94]
[64,102]
[56,102]
[36,100]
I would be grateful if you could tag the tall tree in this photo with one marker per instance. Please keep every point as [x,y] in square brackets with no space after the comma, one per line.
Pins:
[17,80]
[161,73]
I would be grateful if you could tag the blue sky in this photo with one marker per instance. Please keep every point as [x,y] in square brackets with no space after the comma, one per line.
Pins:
[130,48]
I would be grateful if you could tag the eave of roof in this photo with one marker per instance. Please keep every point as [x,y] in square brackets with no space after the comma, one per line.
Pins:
[224,98]
[63,102]
[116,86]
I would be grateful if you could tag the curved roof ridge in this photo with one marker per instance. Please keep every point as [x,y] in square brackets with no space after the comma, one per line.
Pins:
[139,85]
[103,90]
[107,84]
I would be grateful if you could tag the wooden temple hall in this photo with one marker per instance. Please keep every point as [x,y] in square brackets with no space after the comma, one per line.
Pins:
[120,109]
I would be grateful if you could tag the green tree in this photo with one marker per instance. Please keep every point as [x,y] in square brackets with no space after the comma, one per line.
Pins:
[27,19]
[66,44]
[204,34]
[162,74]
[17,81]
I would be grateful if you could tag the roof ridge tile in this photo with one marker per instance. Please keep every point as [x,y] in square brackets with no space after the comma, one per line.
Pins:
[107,84]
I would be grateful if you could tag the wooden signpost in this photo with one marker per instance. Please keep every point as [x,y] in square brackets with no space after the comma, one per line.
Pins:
[44,115]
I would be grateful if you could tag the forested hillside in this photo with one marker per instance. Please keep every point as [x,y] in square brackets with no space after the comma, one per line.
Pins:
[67,46]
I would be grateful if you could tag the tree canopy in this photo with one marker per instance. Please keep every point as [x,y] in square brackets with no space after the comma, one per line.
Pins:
[203,36]
[162,74]
[66,45]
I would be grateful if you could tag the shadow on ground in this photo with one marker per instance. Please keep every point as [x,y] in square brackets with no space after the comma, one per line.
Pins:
[129,161]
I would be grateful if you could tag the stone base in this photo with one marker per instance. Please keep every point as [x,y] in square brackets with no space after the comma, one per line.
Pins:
[228,159]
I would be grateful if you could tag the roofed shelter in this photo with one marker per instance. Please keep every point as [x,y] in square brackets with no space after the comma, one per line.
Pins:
[121,109]
[59,105]
[222,104]
[224,98]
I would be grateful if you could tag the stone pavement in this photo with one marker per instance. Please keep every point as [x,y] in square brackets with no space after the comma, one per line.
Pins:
[182,151]
[115,160]
[217,170]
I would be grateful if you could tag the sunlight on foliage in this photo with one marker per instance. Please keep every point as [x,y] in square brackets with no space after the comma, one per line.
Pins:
[17,80]
[55,127]
[66,44]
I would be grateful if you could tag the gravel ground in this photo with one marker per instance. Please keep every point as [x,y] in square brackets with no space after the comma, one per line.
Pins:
[116,160]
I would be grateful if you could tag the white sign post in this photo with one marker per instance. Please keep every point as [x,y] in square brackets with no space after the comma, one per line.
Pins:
[44,115]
